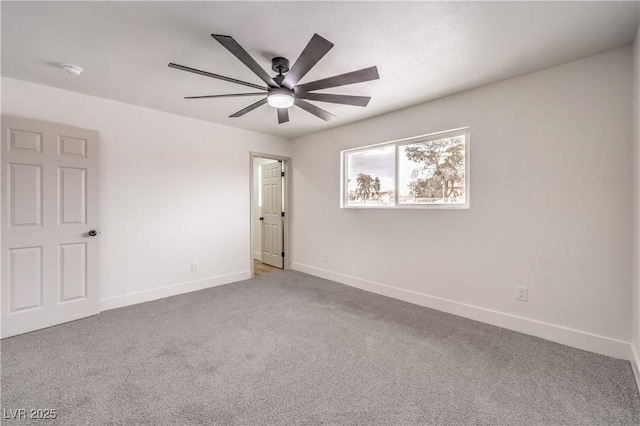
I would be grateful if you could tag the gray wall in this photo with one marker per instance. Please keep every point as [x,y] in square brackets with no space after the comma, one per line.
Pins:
[172,190]
[550,207]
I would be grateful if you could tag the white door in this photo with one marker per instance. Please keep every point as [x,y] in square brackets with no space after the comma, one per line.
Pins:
[272,237]
[49,212]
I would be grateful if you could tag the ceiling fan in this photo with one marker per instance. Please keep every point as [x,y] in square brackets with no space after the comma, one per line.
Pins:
[282,92]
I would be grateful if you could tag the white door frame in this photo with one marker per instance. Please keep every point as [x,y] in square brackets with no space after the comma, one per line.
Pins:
[287,185]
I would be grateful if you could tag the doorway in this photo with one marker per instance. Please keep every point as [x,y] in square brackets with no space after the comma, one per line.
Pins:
[270,192]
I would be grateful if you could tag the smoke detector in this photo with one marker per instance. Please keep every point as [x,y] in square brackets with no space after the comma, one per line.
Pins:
[72,69]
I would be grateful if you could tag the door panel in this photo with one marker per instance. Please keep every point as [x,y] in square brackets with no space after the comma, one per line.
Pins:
[267,243]
[25,278]
[73,271]
[272,237]
[25,195]
[50,181]
[24,140]
[276,239]
[72,193]
[72,146]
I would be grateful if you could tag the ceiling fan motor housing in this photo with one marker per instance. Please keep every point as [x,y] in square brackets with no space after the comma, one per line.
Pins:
[280,65]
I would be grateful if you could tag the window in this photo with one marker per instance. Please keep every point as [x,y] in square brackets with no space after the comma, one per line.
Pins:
[370,177]
[425,172]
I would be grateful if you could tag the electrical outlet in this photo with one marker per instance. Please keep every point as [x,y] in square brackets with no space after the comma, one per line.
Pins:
[325,258]
[522,293]
[194,266]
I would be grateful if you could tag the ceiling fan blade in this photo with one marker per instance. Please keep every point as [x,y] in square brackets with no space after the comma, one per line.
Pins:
[219,77]
[310,108]
[225,96]
[283,115]
[365,74]
[232,46]
[360,101]
[249,108]
[312,53]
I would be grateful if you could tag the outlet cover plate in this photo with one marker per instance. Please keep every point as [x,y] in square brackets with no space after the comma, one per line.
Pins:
[522,293]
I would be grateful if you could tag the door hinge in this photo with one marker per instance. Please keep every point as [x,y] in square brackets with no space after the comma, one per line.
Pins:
[282,254]
[282,214]
[282,174]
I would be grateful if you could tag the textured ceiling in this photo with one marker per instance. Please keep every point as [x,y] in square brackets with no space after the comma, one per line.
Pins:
[423,50]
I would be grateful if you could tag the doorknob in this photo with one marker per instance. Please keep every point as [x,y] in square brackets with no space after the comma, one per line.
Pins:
[93,233]
[262,218]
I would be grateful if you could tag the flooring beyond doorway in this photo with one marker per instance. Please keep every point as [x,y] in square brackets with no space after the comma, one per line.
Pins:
[290,348]
[260,268]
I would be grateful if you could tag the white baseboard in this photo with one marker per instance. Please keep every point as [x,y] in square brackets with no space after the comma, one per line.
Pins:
[170,290]
[635,365]
[556,333]
[257,255]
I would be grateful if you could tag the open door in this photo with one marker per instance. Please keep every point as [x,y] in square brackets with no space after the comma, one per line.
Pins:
[272,217]
[50,224]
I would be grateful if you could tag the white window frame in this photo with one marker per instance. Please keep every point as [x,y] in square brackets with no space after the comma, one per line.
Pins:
[344,192]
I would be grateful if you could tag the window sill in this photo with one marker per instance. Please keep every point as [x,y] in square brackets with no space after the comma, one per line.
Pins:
[412,207]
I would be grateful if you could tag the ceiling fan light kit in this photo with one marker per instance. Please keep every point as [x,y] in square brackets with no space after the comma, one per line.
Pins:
[280,97]
[283,91]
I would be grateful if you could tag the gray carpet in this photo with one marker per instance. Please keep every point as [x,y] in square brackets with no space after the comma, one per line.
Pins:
[289,348]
